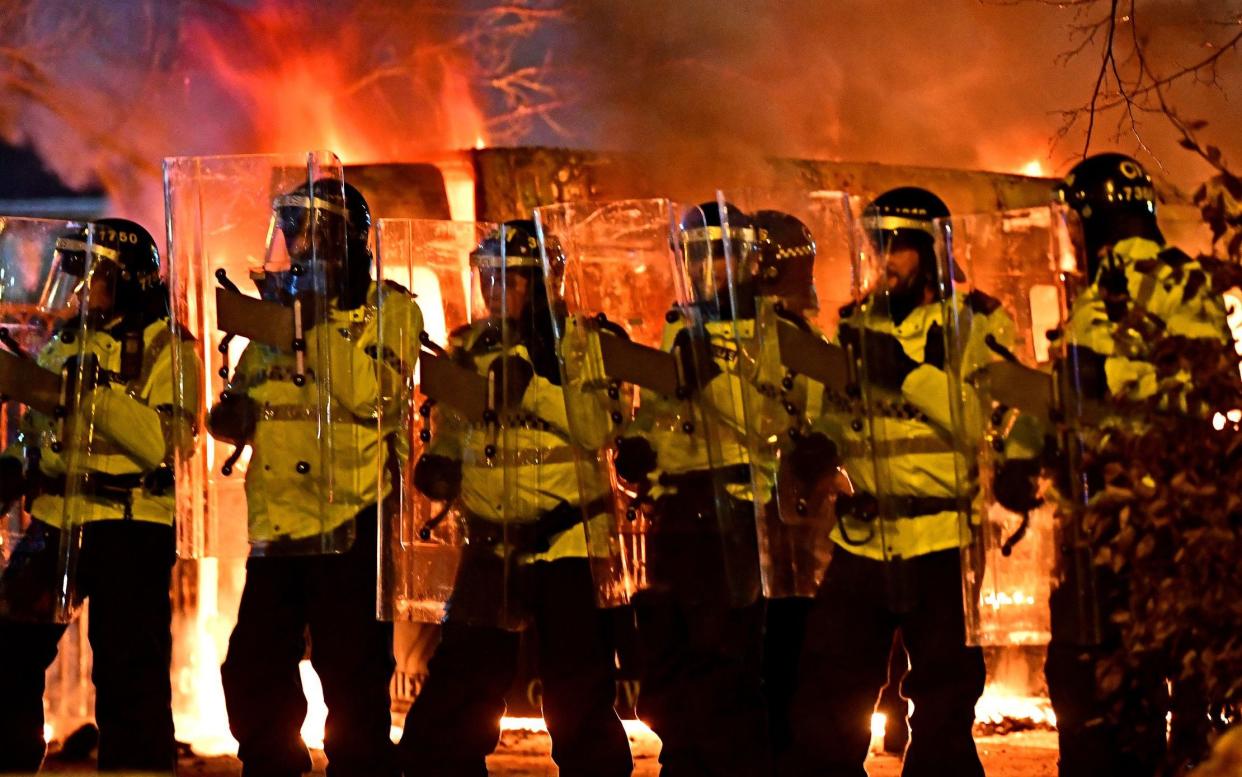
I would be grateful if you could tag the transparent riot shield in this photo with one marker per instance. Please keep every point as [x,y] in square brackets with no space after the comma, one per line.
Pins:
[805,240]
[39,348]
[1001,270]
[614,290]
[895,432]
[261,260]
[467,517]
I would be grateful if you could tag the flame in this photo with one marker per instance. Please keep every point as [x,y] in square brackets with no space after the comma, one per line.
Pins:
[1034,168]
[999,704]
[302,97]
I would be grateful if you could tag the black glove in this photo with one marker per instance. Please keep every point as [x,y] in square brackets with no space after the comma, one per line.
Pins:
[70,371]
[511,375]
[698,367]
[438,477]
[233,419]
[812,455]
[1087,371]
[12,482]
[886,363]
[1016,484]
[635,459]
[933,349]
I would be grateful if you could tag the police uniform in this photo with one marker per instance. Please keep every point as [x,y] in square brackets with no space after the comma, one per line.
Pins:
[330,595]
[1129,268]
[526,563]
[700,624]
[896,567]
[125,511]
[1094,738]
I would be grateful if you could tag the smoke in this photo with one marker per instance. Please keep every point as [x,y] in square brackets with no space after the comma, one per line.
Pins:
[973,85]
[104,91]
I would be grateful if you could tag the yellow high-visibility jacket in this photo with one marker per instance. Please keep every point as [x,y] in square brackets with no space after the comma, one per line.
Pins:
[532,468]
[1166,284]
[119,428]
[318,452]
[717,412]
[921,442]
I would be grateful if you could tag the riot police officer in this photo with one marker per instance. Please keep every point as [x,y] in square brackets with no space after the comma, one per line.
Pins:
[1128,269]
[525,561]
[111,489]
[896,562]
[700,622]
[297,510]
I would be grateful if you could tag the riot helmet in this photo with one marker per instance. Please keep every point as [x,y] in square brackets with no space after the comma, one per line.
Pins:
[901,224]
[121,277]
[325,225]
[511,278]
[1114,198]
[786,259]
[703,235]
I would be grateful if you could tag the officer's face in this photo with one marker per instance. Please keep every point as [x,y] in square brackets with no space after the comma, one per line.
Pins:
[101,296]
[516,292]
[901,268]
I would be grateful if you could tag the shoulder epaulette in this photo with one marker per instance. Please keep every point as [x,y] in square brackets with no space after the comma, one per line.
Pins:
[397,287]
[981,303]
[1174,256]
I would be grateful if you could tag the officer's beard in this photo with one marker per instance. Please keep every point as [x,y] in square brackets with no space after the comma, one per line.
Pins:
[903,297]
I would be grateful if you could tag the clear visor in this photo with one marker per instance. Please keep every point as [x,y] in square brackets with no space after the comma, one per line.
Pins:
[304,235]
[72,275]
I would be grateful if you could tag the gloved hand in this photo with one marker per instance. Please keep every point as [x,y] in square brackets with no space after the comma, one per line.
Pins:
[812,455]
[12,481]
[933,349]
[233,419]
[71,371]
[438,477]
[1016,485]
[512,376]
[693,353]
[886,363]
[635,459]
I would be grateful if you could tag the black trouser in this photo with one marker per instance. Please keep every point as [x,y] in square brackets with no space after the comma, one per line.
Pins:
[845,662]
[455,721]
[125,569]
[701,689]
[782,644]
[332,596]
[1102,735]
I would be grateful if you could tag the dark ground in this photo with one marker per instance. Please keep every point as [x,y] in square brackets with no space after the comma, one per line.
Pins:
[525,754]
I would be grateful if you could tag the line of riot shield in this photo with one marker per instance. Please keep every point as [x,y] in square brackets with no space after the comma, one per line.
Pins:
[805,241]
[614,290]
[1001,270]
[42,420]
[268,277]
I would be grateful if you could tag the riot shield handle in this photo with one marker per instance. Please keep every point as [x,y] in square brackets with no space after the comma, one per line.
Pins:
[299,345]
[991,342]
[231,461]
[7,341]
[223,278]
[425,340]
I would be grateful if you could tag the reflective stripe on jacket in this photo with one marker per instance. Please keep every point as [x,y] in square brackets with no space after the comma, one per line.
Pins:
[301,482]
[913,445]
